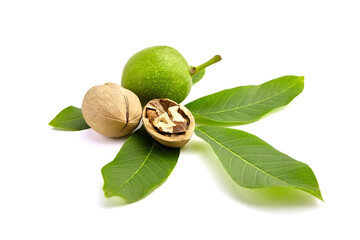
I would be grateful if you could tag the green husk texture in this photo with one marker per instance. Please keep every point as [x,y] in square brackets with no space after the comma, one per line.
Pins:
[157,72]
[141,165]
[252,163]
[246,104]
[69,118]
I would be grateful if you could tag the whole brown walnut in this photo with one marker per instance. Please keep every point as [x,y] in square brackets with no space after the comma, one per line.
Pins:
[111,110]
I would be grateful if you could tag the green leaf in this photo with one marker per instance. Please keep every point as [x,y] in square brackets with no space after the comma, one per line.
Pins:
[69,118]
[198,76]
[141,165]
[253,163]
[246,104]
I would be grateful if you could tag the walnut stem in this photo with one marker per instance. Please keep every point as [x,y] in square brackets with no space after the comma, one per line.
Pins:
[197,69]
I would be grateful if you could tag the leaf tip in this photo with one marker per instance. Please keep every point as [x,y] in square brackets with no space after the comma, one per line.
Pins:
[316,193]
[107,194]
[302,81]
[319,196]
[51,123]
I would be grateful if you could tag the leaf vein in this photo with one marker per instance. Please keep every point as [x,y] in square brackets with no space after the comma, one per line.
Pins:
[250,104]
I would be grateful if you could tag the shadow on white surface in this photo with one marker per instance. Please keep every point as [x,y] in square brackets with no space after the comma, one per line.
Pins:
[278,197]
[111,202]
[90,135]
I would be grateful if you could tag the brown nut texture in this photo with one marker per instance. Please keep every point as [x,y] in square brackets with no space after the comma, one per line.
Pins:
[111,110]
[169,123]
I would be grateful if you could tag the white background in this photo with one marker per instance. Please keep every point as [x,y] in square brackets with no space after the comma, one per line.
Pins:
[52,52]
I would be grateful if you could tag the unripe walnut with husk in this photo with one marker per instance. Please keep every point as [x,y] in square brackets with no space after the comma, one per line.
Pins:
[111,110]
[169,123]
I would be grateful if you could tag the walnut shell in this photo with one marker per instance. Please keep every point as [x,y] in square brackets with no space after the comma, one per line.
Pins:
[111,110]
[169,123]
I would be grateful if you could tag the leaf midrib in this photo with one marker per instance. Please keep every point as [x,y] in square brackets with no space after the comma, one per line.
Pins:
[136,172]
[71,119]
[239,107]
[259,169]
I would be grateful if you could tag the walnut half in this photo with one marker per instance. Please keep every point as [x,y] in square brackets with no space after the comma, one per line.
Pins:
[167,122]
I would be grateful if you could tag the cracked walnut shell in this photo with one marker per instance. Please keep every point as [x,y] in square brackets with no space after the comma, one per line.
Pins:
[111,110]
[169,123]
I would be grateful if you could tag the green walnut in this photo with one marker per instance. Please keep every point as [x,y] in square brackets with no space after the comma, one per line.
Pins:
[161,72]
